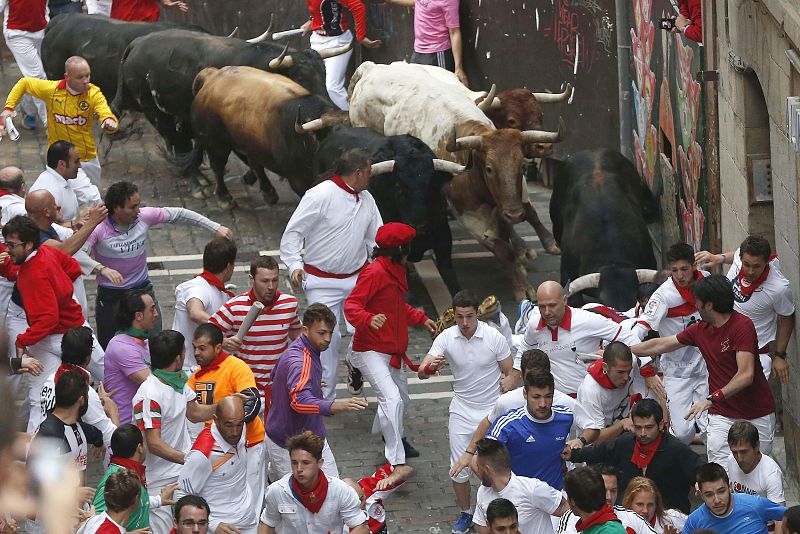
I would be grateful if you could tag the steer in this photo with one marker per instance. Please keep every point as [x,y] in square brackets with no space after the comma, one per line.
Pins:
[410,193]
[600,209]
[255,114]
[402,98]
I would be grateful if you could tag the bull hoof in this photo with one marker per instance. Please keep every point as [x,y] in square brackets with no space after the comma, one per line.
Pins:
[202,179]
[552,248]
[249,177]
[209,191]
[270,197]
[531,254]
[198,193]
[227,203]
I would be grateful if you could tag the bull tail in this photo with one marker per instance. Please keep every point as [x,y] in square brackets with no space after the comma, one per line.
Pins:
[120,103]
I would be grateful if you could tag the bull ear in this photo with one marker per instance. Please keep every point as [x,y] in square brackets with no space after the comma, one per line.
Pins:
[451,143]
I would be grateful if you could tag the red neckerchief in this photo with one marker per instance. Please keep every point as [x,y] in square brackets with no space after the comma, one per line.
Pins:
[688,307]
[133,465]
[566,324]
[643,454]
[64,367]
[338,181]
[746,287]
[608,313]
[596,370]
[212,366]
[313,499]
[603,515]
[253,298]
[4,192]
[213,281]
[653,521]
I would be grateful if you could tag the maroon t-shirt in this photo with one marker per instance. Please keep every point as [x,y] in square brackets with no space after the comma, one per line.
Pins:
[718,347]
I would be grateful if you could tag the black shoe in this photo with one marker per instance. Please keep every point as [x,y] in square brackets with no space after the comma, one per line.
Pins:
[411,452]
[355,382]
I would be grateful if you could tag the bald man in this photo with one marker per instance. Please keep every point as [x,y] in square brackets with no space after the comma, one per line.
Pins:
[12,193]
[564,333]
[72,104]
[216,469]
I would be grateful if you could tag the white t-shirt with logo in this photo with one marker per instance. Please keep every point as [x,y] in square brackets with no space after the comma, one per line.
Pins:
[766,480]
[534,500]
[212,299]
[772,298]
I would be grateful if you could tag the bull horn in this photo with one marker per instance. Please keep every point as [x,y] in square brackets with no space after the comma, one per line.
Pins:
[468,142]
[310,126]
[442,165]
[486,104]
[496,103]
[550,98]
[382,167]
[267,35]
[283,61]
[234,33]
[541,136]
[338,51]
[587,281]
[645,275]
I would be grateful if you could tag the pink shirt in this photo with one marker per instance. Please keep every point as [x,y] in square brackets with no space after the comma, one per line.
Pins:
[432,22]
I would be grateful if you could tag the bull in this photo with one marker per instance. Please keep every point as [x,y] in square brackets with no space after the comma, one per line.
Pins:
[258,115]
[411,192]
[402,98]
[600,209]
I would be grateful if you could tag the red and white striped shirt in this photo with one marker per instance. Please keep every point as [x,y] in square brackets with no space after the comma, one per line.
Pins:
[268,338]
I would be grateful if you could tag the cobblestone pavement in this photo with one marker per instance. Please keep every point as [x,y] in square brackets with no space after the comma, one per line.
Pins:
[425,503]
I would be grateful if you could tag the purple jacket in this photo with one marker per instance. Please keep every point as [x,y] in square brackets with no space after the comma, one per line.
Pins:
[297,404]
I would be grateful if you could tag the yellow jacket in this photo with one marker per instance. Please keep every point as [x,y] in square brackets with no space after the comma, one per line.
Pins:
[69,117]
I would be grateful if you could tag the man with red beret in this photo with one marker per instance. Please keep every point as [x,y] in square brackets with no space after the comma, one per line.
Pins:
[377,309]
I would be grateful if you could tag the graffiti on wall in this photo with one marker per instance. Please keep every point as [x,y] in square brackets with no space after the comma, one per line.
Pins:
[581,30]
[644,89]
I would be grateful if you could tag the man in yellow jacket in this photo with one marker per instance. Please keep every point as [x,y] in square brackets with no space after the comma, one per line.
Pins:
[71,105]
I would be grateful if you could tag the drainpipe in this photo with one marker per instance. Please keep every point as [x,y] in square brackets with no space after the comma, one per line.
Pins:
[624,78]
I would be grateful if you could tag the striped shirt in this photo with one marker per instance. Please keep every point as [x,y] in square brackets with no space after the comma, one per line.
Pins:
[268,338]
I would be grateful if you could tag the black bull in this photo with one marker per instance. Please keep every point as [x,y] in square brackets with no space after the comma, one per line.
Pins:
[411,193]
[600,209]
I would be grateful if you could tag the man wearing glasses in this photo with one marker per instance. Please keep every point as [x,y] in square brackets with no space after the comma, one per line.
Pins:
[191,515]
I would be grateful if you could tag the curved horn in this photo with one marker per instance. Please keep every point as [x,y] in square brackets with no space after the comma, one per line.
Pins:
[541,136]
[310,126]
[382,167]
[470,141]
[646,275]
[267,35]
[550,98]
[496,103]
[587,281]
[338,51]
[283,61]
[234,33]
[442,165]
[486,104]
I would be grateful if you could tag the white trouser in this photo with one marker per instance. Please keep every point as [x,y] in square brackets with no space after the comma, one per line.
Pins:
[682,394]
[335,67]
[280,464]
[331,292]
[766,364]
[99,7]
[391,388]
[461,426]
[718,426]
[48,352]
[257,473]
[161,517]
[91,168]
[27,50]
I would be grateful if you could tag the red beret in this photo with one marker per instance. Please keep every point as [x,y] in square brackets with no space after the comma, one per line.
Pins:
[393,235]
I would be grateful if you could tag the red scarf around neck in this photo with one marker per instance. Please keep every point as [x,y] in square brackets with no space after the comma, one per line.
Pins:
[213,281]
[643,454]
[746,287]
[687,308]
[341,183]
[133,465]
[4,192]
[603,515]
[213,365]
[596,370]
[314,498]
[64,367]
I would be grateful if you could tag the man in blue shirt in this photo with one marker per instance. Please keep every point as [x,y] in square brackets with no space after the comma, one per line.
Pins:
[536,433]
[727,513]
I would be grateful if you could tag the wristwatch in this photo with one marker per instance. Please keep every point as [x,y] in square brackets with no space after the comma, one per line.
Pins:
[583,440]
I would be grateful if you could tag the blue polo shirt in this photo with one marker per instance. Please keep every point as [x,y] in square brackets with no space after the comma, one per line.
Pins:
[748,515]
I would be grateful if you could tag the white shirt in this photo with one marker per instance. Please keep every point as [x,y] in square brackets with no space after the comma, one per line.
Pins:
[676,518]
[474,363]
[580,331]
[772,298]
[511,400]
[95,415]
[766,480]
[217,471]
[629,519]
[605,406]
[287,515]
[10,207]
[101,520]
[686,362]
[534,500]
[211,298]
[157,405]
[338,233]
[69,194]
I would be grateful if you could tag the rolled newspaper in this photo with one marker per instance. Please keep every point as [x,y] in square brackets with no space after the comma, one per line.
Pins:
[286,33]
[249,319]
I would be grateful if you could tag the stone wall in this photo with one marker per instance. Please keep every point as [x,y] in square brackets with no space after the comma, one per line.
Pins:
[751,40]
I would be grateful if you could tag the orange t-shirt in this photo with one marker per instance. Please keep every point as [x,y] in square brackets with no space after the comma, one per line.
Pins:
[222,378]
